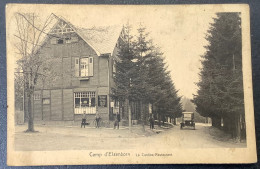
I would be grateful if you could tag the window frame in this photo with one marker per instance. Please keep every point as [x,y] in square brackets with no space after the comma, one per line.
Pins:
[85,65]
[37,96]
[60,41]
[84,69]
[44,99]
[88,95]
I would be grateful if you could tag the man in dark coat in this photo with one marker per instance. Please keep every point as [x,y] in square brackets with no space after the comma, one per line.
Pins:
[116,124]
[84,119]
[151,120]
[97,118]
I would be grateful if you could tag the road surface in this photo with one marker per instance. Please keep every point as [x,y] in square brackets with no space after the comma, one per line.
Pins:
[75,138]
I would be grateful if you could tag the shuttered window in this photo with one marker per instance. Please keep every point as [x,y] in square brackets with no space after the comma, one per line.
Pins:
[90,66]
[77,67]
[37,96]
[84,67]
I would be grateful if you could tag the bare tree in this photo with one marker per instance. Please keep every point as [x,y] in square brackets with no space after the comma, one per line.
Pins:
[37,67]
[30,36]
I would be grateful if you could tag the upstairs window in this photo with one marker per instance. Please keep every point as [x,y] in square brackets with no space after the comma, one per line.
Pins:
[84,67]
[37,96]
[60,41]
[46,101]
[72,39]
[55,40]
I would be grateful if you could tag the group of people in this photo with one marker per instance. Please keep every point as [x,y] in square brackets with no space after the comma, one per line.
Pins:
[98,119]
[84,120]
[116,122]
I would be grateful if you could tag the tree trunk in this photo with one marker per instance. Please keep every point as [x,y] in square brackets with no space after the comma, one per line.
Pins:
[25,103]
[237,128]
[243,127]
[216,122]
[30,115]
[159,119]
[226,126]
[142,115]
[129,115]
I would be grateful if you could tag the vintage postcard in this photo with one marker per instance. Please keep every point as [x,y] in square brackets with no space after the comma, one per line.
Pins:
[129,84]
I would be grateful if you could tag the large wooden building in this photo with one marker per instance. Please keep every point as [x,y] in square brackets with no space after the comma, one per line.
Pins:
[82,73]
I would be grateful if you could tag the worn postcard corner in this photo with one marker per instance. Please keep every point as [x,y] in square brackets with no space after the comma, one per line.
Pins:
[129,84]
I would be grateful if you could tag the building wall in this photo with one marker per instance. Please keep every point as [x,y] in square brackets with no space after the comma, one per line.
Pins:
[60,83]
[46,109]
[61,58]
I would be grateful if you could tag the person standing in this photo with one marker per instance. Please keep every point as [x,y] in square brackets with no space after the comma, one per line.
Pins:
[97,118]
[84,119]
[151,120]
[118,119]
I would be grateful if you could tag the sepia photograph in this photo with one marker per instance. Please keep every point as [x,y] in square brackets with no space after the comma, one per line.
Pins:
[125,84]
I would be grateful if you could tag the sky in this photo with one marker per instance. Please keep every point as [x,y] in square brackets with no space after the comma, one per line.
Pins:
[178,30]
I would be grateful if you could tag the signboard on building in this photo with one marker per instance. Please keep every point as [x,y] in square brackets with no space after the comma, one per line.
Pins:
[102,100]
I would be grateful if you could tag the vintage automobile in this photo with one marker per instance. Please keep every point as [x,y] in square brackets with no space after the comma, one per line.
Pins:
[187,120]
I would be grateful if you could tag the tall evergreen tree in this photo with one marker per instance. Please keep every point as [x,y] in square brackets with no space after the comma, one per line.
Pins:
[220,94]
[125,71]
[142,78]
[140,86]
[163,94]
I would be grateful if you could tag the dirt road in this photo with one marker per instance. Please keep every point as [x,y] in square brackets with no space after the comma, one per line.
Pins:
[76,138]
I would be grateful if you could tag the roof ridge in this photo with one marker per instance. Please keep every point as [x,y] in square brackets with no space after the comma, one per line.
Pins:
[104,38]
[98,27]
[78,32]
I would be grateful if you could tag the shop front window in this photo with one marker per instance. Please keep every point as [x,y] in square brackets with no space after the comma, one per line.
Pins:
[84,102]
[77,102]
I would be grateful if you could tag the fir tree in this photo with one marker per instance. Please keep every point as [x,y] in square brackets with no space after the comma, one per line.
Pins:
[142,78]
[140,86]
[220,92]
[125,71]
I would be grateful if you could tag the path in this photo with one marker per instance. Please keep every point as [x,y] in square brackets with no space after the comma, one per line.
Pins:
[76,138]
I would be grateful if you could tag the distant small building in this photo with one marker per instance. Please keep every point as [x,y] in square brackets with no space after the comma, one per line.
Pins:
[84,66]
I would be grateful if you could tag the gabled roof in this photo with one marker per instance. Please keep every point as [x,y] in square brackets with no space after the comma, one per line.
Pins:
[102,39]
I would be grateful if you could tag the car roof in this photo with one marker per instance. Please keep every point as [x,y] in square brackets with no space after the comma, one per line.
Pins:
[187,112]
